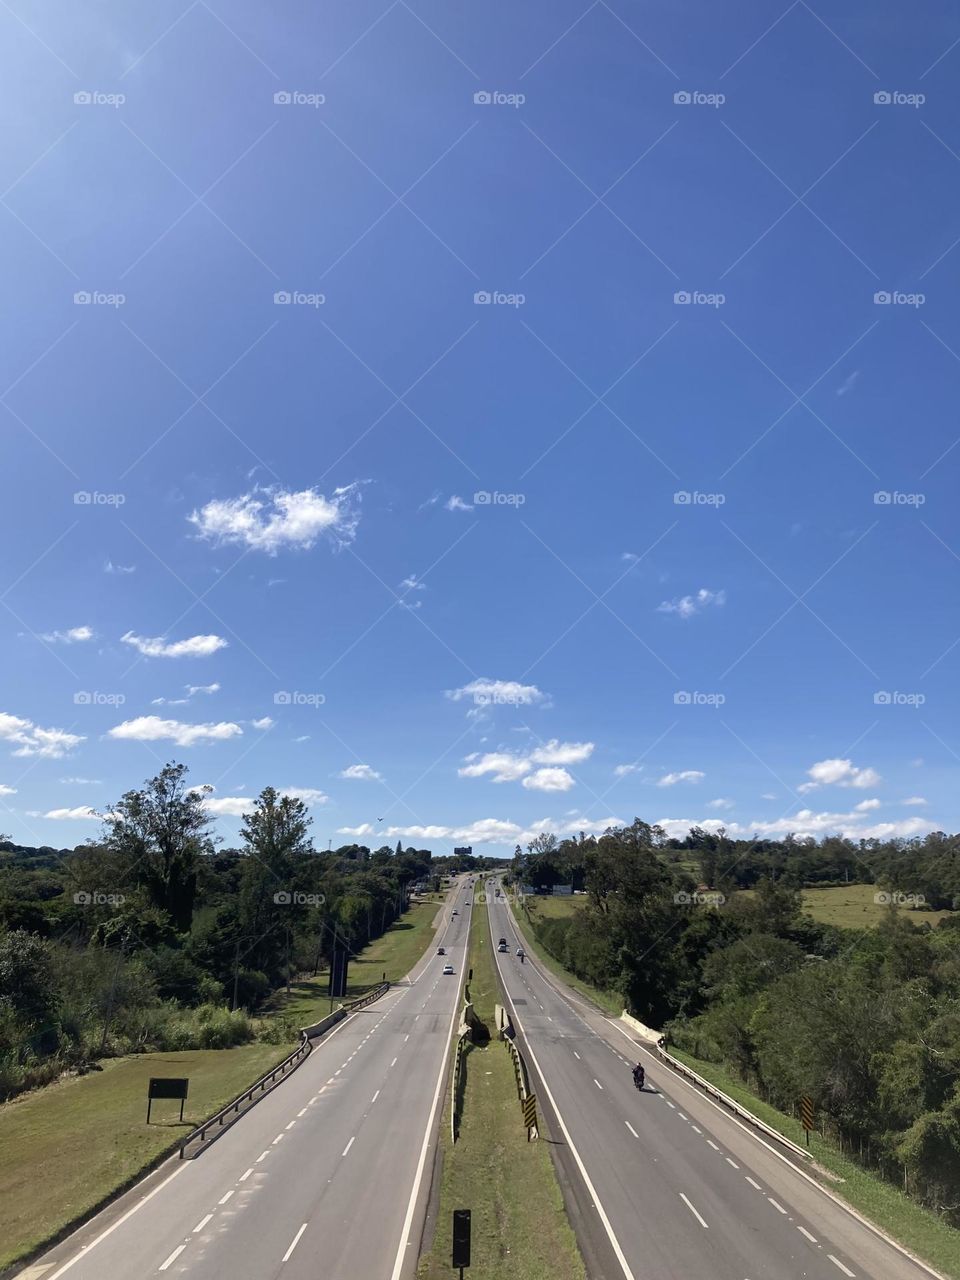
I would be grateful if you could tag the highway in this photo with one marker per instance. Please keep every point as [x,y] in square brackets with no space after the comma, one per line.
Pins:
[667,1185]
[326,1176]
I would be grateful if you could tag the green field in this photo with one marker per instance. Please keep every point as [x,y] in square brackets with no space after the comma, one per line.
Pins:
[69,1146]
[520,1227]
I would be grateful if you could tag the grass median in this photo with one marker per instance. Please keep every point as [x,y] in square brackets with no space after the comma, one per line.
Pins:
[519,1225]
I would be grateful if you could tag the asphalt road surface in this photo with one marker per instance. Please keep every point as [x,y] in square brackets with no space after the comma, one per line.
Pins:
[326,1177]
[668,1185]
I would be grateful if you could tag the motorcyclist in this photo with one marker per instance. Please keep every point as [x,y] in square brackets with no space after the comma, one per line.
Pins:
[638,1075]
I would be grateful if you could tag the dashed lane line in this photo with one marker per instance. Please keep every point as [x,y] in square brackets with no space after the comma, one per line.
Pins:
[202,1223]
[699,1217]
[837,1263]
[293,1243]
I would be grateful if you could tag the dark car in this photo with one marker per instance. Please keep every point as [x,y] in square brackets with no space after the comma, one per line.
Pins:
[441,951]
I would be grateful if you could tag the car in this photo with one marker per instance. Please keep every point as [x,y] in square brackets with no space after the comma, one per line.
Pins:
[456,913]
[448,968]
[502,948]
[520,951]
[441,951]
[503,942]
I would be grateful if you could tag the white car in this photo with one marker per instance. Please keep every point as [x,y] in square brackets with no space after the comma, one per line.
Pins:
[448,968]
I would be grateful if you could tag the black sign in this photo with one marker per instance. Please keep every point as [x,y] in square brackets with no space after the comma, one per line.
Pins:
[166,1087]
[461,1238]
[338,973]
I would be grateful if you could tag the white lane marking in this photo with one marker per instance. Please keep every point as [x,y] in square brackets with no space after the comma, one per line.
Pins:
[631,1128]
[837,1263]
[406,1037]
[669,1103]
[393,1063]
[696,1130]
[301,1112]
[682,1116]
[262,1156]
[291,1124]
[597,1083]
[349,1145]
[119,1222]
[375,1096]
[711,1143]
[244,1176]
[576,1055]
[202,1223]
[294,1242]
[754,1184]
[692,1210]
[804,1232]
[173,1257]
[779,1207]
[278,1138]
[733,1164]
[224,1199]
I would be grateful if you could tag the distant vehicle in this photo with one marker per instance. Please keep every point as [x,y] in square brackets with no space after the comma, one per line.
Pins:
[441,951]
[520,951]
[503,942]
[456,913]
[448,968]
[502,948]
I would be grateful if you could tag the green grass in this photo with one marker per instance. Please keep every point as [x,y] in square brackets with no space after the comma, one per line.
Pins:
[916,1227]
[395,953]
[610,1001]
[519,1225]
[66,1148]
[551,908]
[853,907]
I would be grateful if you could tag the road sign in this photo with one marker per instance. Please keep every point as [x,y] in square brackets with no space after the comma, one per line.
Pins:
[461,1238]
[530,1111]
[166,1087]
[806,1115]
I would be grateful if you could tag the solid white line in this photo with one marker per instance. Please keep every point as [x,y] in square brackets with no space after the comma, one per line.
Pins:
[804,1232]
[778,1207]
[173,1257]
[692,1209]
[631,1128]
[244,1176]
[837,1263]
[224,1199]
[294,1243]
[119,1222]
[754,1184]
[202,1223]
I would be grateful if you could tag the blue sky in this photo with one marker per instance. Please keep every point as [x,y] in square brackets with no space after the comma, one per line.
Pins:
[482,419]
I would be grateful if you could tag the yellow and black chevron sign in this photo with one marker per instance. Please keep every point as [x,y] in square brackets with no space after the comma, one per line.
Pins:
[530,1111]
[806,1112]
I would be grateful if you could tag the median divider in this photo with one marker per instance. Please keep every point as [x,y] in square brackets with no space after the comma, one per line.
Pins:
[211,1128]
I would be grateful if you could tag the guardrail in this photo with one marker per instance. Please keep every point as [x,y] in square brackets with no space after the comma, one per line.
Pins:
[728,1102]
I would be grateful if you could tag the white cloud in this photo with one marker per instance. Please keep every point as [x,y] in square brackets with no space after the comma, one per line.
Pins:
[273,518]
[360,773]
[304,737]
[721,803]
[687,606]
[485,692]
[548,780]
[804,824]
[456,503]
[503,765]
[412,583]
[7,791]
[31,740]
[838,773]
[769,795]
[110,567]
[263,724]
[157,647]
[622,770]
[485,830]
[75,635]
[554,752]
[914,800]
[309,795]
[155,729]
[237,806]
[866,805]
[82,813]
[202,688]
[685,775]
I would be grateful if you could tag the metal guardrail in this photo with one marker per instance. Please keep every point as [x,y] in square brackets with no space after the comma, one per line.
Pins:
[729,1102]
[455,1083]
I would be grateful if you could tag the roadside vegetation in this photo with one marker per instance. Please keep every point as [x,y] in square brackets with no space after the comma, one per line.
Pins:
[519,1222]
[865,1021]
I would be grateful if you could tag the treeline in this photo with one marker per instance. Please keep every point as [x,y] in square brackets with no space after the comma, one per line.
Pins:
[151,937]
[865,1022]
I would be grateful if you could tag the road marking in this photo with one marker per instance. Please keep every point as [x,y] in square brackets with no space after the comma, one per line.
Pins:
[176,1254]
[692,1209]
[375,1096]
[682,1116]
[778,1207]
[754,1184]
[278,1138]
[291,1124]
[294,1243]
[263,1155]
[669,1103]
[597,1083]
[696,1130]
[202,1223]
[804,1232]
[244,1176]
[224,1199]
[301,1112]
[393,1063]
[710,1143]
[733,1164]
[631,1128]
[349,1145]
[576,1055]
[406,1037]
[837,1263]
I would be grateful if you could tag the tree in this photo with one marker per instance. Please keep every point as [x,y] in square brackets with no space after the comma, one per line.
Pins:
[161,833]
